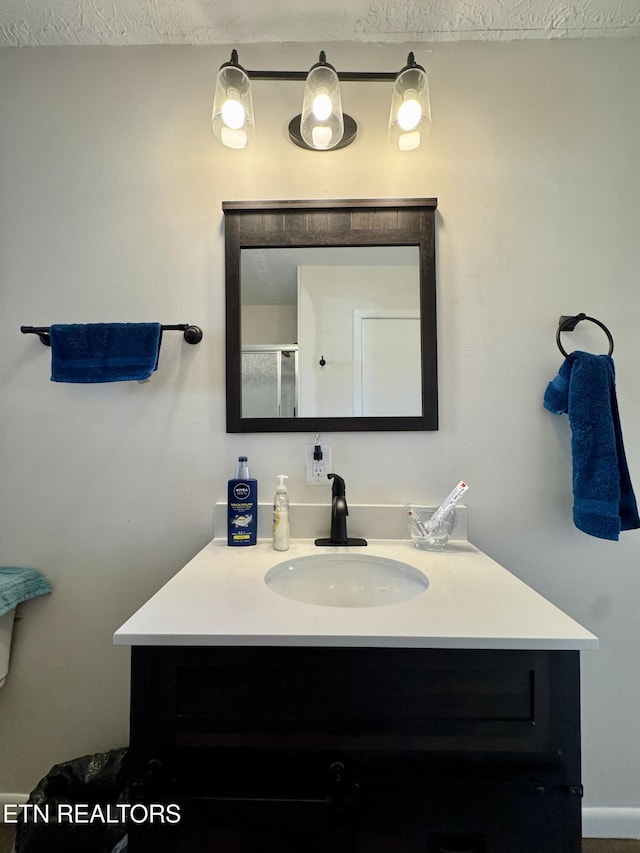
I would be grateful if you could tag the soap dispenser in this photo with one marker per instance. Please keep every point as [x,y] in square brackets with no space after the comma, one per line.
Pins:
[281,516]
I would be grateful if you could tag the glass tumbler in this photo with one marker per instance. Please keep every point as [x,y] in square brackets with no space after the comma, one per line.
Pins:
[423,534]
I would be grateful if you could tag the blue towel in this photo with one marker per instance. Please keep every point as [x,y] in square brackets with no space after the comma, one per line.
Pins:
[104,352]
[603,498]
[18,585]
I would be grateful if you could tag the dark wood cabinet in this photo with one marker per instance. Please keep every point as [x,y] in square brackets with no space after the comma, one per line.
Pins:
[347,750]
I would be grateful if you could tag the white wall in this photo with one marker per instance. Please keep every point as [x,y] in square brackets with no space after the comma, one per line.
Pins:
[110,209]
[269,324]
[327,298]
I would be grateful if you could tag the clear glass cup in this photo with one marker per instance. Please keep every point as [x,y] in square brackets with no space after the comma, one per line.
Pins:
[418,517]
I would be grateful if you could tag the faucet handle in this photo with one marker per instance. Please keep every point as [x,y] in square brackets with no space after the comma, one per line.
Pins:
[338,488]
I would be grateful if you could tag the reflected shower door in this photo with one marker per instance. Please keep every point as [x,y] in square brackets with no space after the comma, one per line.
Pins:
[269,387]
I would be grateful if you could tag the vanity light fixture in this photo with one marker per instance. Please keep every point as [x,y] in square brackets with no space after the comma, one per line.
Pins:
[322,121]
[322,126]
[232,120]
[410,116]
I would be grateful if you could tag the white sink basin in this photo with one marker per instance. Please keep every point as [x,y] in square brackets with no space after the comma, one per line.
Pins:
[346,580]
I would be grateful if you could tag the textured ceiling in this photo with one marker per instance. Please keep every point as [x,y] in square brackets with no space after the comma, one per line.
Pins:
[199,22]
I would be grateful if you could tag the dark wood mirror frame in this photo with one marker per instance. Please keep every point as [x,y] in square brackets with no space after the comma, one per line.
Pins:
[362,222]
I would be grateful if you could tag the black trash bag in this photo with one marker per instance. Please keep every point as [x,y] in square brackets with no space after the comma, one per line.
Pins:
[122,846]
[74,808]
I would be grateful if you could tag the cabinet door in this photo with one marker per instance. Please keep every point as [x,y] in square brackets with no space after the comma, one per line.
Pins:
[441,748]
[250,825]
[468,818]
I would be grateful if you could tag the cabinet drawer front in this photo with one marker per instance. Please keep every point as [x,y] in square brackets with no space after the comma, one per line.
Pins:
[361,684]
[379,703]
[426,699]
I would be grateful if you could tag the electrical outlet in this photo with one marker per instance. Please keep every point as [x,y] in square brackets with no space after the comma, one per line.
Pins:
[317,469]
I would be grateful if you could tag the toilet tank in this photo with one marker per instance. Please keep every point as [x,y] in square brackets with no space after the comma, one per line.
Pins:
[6,632]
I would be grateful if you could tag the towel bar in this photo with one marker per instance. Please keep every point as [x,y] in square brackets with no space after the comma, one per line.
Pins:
[567,323]
[192,334]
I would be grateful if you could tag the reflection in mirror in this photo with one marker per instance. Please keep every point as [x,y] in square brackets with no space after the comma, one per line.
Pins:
[269,381]
[331,315]
[353,315]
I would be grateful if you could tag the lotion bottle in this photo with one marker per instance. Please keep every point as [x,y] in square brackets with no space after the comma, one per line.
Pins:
[281,516]
[242,506]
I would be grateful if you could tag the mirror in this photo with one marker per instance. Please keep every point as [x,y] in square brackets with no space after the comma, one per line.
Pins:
[331,315]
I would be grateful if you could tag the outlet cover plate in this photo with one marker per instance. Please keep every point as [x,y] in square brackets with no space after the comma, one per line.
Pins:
[316,472]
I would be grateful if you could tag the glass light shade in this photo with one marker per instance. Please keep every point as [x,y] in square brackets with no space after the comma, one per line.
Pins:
[410,115]
[232,121]
[322,123]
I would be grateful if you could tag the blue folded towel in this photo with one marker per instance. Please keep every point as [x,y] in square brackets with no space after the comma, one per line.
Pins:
[18,585]
[104,352]
[604,502]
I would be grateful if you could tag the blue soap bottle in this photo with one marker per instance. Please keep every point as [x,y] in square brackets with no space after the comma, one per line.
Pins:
[242,506]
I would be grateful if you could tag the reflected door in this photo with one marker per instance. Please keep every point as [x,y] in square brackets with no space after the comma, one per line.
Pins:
[389,366]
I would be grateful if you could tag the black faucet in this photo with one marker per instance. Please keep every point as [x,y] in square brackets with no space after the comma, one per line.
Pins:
[339,513]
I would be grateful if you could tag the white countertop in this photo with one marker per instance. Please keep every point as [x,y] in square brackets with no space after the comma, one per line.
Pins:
[220,599]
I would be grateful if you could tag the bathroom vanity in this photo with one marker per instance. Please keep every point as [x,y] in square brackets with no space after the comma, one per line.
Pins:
[447,722]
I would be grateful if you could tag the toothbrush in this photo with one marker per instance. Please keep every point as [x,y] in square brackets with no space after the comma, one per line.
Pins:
[450,501]
[419,525]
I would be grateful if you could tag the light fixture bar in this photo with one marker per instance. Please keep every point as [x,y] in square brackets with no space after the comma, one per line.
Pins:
[343,76]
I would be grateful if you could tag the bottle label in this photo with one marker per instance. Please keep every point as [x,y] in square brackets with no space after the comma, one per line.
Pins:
[241,491]
[239,525]
[242,513]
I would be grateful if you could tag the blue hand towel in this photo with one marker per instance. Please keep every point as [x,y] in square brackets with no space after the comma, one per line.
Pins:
[604,501]
[104,352]
[18,585]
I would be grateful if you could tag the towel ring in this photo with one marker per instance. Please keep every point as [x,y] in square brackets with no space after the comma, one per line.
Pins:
[568,324]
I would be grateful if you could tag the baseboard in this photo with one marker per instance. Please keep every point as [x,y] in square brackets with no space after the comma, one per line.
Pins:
[611,822]
[11,800]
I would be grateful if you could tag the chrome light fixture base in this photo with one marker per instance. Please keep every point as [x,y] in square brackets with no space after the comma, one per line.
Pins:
[349,135]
